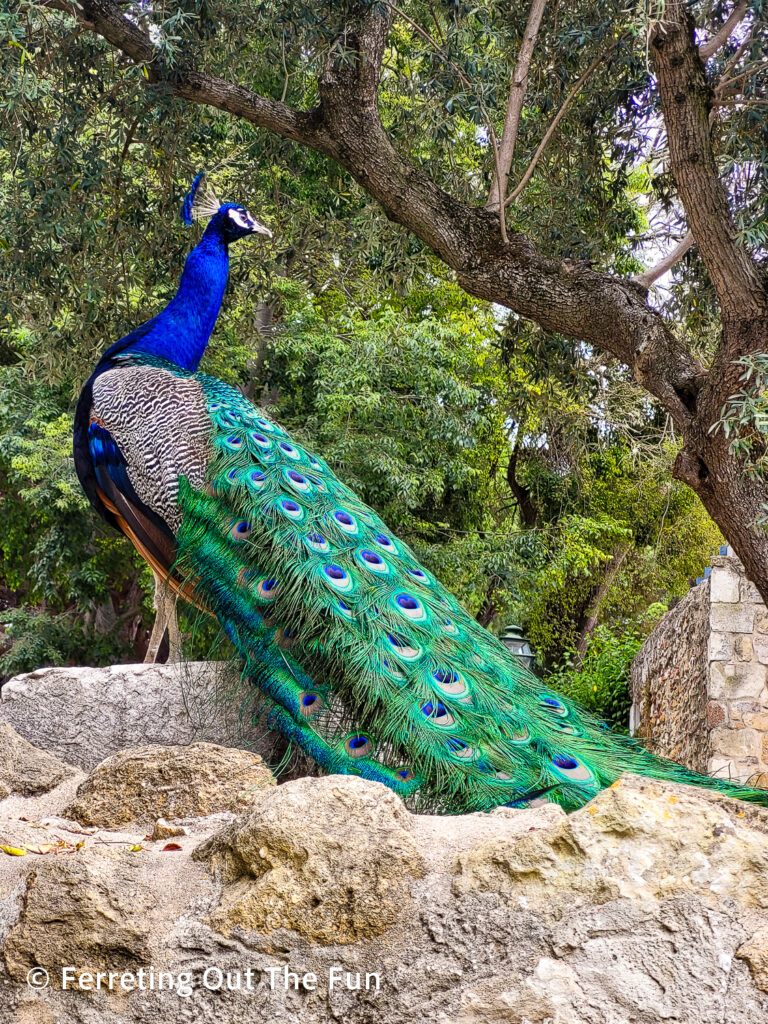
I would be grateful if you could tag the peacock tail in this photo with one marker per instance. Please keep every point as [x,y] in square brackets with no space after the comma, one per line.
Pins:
[365,660]
[373,667]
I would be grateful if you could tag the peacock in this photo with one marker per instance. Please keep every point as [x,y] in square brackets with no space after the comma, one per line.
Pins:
[365,661]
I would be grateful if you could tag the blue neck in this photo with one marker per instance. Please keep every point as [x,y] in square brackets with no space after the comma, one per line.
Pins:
[181,331]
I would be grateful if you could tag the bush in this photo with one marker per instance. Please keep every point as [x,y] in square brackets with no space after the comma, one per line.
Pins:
[601,683]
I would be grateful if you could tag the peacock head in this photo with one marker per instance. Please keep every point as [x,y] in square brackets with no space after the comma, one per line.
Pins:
[235,222]
[230,220]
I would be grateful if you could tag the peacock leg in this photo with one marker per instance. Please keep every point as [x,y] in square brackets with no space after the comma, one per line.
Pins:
[174,633]
[165,618]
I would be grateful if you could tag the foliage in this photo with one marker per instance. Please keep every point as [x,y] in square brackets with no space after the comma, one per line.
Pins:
[30,639]
[600,682]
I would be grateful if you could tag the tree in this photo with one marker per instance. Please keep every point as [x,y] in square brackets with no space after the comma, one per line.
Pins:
[336,55]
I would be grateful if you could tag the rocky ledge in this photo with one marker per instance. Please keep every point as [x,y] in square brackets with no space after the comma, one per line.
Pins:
[147,900]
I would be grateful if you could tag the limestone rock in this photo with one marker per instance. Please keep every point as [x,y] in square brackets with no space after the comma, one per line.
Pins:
[25,769]
[164,830]
[172,782]
[640,839]
[329,859]
[83,715]
[86,912]
[755,952]
[647,905]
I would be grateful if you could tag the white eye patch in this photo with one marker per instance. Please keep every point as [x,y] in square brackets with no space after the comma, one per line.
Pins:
[241,218]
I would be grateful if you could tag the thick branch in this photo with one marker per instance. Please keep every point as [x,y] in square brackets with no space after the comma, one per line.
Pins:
[648,277]
[105,18]
[721,37]
[517,90]
[591,615]
[522,495]
[686,102]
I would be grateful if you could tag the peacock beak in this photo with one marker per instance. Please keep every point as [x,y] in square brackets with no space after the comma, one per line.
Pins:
[259,229]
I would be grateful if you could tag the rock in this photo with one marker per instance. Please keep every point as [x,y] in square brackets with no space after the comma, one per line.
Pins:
[645,840]
[164,830]
[755,953]
[174,782]
[330,862]
[25,769]
[91,913]
[326,900]
[83,715]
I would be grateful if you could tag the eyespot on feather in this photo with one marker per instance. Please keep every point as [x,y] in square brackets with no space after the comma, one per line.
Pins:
[256,479]
[291,509]
[403,647]
[345,521]
[554,706]
[240,530]
[571,768]
[437,713]
[338,578]
[358,745]
[373,562]
[450,682]
[267,589]
[410,607]
[310,704]
[290,450]
[316,542]
[297,481]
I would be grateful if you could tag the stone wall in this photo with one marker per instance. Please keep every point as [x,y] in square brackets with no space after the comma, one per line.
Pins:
[700,683]
[669,690]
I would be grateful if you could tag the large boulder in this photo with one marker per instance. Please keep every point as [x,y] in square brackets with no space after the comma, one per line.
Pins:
[154,782]
[285,868]
[91,912]
[326,900]
[25,769]
[83,715]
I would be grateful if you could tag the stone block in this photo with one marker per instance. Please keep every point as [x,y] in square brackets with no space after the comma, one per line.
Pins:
[83,715]
[761,620]
[724,585]
[742,647]
[736,743]
[720,647]
[736,679]
[760,646]
[749,592]
[756,720]
[733,769]
[732,618]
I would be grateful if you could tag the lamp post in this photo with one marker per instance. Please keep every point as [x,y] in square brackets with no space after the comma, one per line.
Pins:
[516,642]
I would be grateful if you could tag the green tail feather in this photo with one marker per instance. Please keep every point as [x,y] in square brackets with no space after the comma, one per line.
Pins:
[373,668]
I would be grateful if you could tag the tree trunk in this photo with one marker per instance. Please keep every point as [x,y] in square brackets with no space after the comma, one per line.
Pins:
[592,613]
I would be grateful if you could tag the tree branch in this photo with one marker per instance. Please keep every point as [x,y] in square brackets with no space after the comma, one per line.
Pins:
[555,122]
[720,38]
[517,89]
[686,100]
[106,19]
[648,277]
